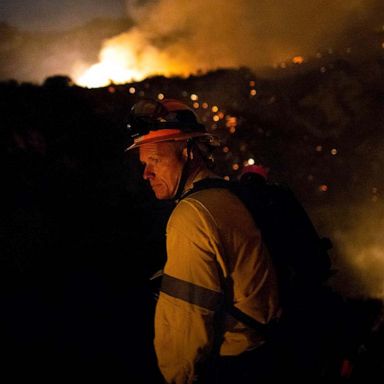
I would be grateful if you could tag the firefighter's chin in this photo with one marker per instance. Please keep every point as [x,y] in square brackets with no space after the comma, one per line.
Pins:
[160,192]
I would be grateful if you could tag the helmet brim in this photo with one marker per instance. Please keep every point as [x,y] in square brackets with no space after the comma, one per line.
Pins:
[179,136]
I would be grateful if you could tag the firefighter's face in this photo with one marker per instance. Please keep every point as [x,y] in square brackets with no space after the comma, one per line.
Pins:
[163,164]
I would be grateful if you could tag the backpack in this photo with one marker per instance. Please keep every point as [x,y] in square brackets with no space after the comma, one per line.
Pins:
[305,340]
[299,254]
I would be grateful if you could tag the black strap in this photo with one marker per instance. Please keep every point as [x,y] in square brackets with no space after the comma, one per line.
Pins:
[263,328]
[191,293]
[184,173]
[209,182]
[209,299]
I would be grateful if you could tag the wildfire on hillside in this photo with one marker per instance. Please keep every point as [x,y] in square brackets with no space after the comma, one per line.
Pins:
[130,57]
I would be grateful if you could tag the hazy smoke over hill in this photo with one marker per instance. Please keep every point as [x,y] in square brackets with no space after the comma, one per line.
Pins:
[358,256]
[181,37]
[210,34]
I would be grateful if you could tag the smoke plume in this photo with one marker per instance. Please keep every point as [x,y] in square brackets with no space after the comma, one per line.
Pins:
[207,34]
[360,264]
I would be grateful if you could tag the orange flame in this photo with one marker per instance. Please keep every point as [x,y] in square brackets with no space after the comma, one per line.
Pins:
[129,57]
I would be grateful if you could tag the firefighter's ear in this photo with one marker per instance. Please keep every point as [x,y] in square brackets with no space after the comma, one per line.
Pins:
[184,153]
[187,153]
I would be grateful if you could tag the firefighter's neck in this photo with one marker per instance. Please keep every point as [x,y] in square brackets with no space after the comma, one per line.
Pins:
[197,172]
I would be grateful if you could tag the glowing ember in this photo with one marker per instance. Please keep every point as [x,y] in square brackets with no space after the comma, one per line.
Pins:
[298,60]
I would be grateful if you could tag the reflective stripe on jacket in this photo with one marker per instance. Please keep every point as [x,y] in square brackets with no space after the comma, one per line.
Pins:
[213,250]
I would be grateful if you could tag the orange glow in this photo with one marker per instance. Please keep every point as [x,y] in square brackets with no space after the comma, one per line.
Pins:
[128,57]
[298,60]
[231,122]
[113,68]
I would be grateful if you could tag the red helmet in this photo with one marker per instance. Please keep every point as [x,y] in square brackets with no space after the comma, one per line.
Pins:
[153,121]
[254,169]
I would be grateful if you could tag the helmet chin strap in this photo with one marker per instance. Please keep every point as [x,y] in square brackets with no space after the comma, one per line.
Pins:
[184,172]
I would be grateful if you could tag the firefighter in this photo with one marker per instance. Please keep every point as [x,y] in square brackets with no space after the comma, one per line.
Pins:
[215,256]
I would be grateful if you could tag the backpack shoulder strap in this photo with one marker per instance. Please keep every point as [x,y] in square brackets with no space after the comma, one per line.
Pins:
[207,183]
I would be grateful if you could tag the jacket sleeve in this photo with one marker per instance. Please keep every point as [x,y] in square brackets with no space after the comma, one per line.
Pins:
[190,295]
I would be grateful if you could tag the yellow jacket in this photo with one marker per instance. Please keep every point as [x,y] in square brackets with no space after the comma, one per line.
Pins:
[211,239]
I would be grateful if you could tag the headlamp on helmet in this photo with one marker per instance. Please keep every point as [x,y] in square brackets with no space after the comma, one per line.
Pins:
[153,121]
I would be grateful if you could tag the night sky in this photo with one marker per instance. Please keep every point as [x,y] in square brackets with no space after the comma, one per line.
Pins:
[57,14]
